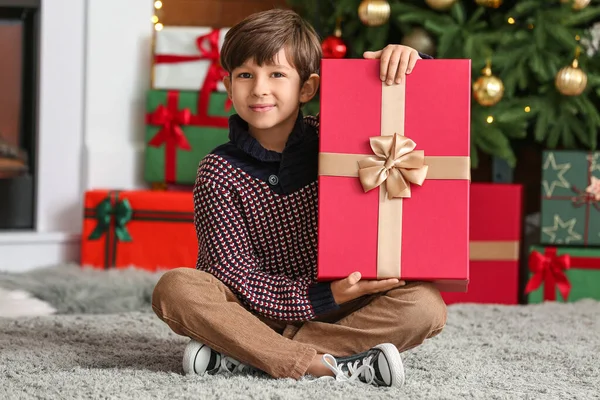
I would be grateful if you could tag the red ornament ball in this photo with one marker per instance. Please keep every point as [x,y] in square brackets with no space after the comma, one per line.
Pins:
[334,47]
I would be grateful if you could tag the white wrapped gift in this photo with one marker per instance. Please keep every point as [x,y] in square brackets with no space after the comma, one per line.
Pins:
[183,55]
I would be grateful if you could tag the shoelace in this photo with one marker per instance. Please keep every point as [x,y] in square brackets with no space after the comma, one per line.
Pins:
[355,370]
[231,365]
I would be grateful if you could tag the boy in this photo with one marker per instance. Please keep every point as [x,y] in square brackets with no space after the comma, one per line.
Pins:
[253,302]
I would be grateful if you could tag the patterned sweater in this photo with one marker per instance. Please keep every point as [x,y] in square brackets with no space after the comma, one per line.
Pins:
[256,221]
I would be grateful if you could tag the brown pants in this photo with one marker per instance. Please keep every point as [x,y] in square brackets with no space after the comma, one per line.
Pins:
[197,305]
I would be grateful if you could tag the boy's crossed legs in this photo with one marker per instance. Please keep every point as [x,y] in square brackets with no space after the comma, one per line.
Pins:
[197,305]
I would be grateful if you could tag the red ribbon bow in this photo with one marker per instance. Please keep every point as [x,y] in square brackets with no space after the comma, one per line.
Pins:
[171,121]
[212,39]
[548,268]
[170,118]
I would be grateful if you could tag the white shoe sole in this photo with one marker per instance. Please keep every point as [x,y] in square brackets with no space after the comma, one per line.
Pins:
[189,356]
[394,360]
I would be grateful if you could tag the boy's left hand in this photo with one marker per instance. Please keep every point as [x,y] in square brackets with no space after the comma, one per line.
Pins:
[396,62]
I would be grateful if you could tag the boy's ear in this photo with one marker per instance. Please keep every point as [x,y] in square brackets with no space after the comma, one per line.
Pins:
[309,88]
[227,83]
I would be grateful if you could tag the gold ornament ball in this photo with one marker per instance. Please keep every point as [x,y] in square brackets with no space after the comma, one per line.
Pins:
[580,4]
[374,12]
[571,80]
[577,4]
[419,40]
[489,3]
[488,89]
[440,4]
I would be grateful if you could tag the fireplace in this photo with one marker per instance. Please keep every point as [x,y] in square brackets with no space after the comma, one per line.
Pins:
[19,43]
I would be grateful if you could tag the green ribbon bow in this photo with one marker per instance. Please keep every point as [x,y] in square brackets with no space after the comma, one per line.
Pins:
[122,212]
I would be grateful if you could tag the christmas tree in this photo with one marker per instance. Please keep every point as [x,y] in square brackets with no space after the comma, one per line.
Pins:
[536,74]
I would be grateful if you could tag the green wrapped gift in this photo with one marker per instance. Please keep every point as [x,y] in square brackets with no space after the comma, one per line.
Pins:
[182,127]
[570,213]
[563,274]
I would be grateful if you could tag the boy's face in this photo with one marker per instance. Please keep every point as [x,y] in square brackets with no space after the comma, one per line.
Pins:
[268,97]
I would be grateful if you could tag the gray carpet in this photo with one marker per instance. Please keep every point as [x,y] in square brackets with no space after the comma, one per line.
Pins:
[105,343]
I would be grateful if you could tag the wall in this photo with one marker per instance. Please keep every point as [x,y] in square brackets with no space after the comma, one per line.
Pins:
[118,59]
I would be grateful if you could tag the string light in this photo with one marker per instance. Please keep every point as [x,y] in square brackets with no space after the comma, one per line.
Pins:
[158,5]
[511,20]
[490,119]
[527,108]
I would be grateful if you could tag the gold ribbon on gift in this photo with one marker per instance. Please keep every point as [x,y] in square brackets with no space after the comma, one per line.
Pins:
[396,163]
[489,250]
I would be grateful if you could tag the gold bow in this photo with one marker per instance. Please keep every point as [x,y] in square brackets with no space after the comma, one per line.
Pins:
[395,162]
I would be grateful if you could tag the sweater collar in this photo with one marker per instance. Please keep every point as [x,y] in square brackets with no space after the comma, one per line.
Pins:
[241,138]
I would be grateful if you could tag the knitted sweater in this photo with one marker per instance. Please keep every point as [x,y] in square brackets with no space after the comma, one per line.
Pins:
[256,221]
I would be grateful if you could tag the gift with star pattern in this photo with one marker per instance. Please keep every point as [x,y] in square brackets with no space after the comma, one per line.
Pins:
[570,209]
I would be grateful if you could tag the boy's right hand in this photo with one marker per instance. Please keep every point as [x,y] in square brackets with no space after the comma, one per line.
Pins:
[352,287]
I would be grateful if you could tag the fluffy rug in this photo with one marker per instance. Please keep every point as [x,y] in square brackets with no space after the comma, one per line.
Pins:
[104,342]
[74,290]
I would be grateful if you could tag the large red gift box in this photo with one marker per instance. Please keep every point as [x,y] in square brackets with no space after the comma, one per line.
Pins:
[151,230]
[394,172]
[495,234]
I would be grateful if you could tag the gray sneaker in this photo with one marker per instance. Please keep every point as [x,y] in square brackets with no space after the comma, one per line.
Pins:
[378,366]
[200,359]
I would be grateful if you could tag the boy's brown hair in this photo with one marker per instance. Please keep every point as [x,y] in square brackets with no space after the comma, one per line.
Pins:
[260,36]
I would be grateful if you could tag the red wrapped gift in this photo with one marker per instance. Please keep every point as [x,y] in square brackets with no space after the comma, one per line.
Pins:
[495,234]
[394,172]
[151,230]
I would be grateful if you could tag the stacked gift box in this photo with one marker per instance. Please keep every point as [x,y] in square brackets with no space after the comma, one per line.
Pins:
[187,112]
[565,265]
[187,107]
